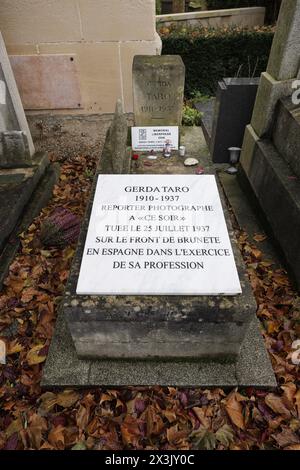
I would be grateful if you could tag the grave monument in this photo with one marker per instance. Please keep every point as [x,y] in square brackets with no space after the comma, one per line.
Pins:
[158,292]
[270,152]
[158,89]
[22,171]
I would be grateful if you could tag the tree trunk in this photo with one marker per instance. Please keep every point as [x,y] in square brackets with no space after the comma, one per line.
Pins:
[178,6]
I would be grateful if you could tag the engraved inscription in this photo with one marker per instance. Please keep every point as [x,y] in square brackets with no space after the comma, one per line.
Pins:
[158,86]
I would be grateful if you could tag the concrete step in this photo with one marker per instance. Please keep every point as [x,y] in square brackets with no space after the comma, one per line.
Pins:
[151,340]
[286,133]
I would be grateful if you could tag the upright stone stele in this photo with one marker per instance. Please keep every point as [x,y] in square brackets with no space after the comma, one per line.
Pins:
[115,157]
[269,152]
[158,89]
[283,67]
[118,138]
[16,145]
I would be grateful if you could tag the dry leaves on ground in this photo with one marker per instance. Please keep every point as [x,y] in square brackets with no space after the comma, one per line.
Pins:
[138,418]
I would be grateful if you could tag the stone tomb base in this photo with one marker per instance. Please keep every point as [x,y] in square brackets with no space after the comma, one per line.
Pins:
[188,340]
[65,369]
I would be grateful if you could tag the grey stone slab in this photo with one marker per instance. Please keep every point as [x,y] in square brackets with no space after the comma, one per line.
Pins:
[158,88]
[41,195]
[12,116]
[118,137]
[233,108]
[85,314]
[116,155]
[15,192]
[64,369]
[276,190]
[247,217]
[162,339]
[268,94]
[254,366]
[286,133]
[207,109]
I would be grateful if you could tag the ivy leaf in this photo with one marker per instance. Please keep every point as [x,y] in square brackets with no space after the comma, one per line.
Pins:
[204,439]
[79,446]
[225,435]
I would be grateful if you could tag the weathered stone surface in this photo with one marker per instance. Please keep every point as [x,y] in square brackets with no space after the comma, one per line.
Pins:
[249,142]
[207,109]
[116,155]
[15,149]
[286,133]
[118,138]
[269,159]
[64,369]
[148,339]
[158,88]
[220,321]
[18,186]
[284,57]
[268,94]
[283,67]
[278,195]
[15,191]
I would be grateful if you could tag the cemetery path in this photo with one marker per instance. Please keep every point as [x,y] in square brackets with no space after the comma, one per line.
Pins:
[138,418]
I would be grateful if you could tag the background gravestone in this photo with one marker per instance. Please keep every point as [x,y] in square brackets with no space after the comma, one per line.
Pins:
[16,145]
[26,178]
[158,89]
[232,112]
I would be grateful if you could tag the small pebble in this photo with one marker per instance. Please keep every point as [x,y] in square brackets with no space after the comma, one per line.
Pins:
[231,170]
[190,162]
[152,157]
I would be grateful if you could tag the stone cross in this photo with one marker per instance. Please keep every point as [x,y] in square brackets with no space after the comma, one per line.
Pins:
[16,145]
[158,88]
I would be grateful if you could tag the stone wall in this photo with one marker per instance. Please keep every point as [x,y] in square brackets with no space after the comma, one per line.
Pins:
[243,17]
[75,56]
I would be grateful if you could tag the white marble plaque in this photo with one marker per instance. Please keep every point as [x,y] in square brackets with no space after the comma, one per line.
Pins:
[154,138]
[159,235]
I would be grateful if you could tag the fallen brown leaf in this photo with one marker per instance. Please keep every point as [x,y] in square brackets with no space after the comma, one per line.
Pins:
[235,410]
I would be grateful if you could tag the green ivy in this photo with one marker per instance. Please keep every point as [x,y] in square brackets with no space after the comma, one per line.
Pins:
[158,6]
[190,116]
[212,54]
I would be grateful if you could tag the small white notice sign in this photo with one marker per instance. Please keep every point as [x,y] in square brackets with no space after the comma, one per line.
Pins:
[154,138]
[159,235]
